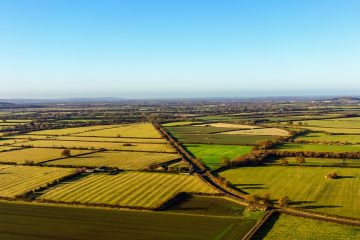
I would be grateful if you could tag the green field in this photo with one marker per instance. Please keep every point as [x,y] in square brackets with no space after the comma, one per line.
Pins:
[335,130]
[128,189]
[98,145]
[203,205]
[319,161]
[17,180]
[35,155]
[212,155]
[38,221]
[293,228]
[328,138]
[173,124]
[221,139]
[306,186]
[333,123]
[120,159]
[298,147]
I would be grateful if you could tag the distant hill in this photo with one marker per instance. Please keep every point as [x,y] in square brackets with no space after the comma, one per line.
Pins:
[6,104]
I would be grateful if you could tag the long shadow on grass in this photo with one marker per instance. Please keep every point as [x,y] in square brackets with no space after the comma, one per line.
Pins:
[266,228]
[250,186]
[320,206]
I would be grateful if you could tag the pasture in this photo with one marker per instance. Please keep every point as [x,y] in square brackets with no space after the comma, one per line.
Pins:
[198,129]
[329,138]
[212,155]
[34,155]
[17,180]
[290,227]
[307,187]
[298,147]
[119,159]
[228,125]
[174,124]
[128,189]
[320,162]
[72,130]
[29,221]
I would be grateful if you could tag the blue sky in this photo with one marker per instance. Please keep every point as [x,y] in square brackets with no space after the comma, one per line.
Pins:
[178,48]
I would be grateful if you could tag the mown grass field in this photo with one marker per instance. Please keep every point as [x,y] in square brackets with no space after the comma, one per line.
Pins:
[306,186]
[298,147]
[123,160]
[323,137]
[34,155]
[335,130]
[17,180]
[140,130]
[320,161]
[290,227]
[333,123]
[37,221]
[98,145]
[128,189]
[212,155]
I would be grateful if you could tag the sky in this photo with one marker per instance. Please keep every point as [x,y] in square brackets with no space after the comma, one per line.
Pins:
[179,48]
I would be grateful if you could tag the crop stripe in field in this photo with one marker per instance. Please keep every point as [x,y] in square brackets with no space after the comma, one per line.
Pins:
[152,192]
[102,195]
[130,190]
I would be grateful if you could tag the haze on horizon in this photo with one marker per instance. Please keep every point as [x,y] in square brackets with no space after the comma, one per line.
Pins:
[180,48]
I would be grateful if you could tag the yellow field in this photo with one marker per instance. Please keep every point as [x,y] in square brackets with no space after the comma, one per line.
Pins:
[5,148]
[119,159]
[99,145]
[35,155]
[11,141]
[68,131]
[140,130]
[17,180]
[96,139]
[260,131]
[130,189]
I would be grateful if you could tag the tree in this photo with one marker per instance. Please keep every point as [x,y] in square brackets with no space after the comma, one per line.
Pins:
[283,201]
[300,160]
[266,199]
[66,153]
[284,161]
[225,161]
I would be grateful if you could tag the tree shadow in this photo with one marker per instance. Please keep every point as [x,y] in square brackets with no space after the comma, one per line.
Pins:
[341,177]
[266,228]
[320,206]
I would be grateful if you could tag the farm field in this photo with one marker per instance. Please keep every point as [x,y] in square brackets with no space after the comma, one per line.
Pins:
[212,155]
[173,124]
[59,222]
[283,227]
[128,189]
[348,123]
[298,147]
[261,131]
[328,138]
[321,161]
[34,155]
[6,148]
[307,187]
[120,159]
[198,129]
[221,139]
[91,139]
[98,145]
[17,180]
[228,125]
[335,130]
[72,130]
[204,205]
[140,130]
[8,142]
